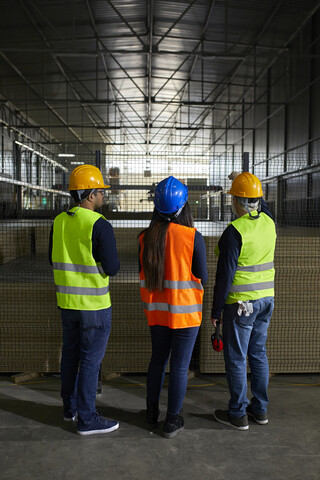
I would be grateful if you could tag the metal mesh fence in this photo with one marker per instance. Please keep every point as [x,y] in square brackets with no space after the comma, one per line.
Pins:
[33,191]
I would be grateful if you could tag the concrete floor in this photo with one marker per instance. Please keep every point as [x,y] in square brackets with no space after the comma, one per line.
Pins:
[35,442]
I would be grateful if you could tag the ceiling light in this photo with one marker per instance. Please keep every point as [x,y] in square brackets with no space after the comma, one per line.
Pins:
[66,155]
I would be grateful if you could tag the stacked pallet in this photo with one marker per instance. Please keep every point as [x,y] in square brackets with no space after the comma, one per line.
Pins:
[210,361]
[293,341]
[129,347]
[15,242]
[30,325]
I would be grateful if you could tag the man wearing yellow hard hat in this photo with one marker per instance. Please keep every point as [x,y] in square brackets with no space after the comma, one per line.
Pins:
[83,253]
[244,292]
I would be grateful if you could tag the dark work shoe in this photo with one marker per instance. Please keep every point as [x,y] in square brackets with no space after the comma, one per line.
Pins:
[70,417]
[172,425]
[223,416]
[99,424]
[261,419]
[153,413]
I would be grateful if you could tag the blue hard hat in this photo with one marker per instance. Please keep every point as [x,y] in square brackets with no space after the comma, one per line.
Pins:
[170,195]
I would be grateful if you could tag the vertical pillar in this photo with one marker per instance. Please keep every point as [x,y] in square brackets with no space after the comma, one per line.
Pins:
[268,121]
[98,159]
[17,164]
[285,142]
[242,127]
[222,205]
[245,161]
[310,206]
[2,150]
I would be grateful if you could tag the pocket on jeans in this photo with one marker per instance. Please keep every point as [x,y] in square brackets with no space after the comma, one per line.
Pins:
[244,321]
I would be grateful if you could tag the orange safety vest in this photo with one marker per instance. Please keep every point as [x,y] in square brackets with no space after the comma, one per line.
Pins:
[179,305]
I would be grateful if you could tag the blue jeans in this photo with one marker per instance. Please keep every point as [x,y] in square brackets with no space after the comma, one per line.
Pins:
[85,338]
[180,343]
[242,337]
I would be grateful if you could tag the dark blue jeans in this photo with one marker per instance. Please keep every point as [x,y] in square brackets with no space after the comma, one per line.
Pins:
[179,342]
[85,338]
[242,337]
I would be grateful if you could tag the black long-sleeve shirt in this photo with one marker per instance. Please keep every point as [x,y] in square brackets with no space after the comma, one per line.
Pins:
[229,250]
[104,248]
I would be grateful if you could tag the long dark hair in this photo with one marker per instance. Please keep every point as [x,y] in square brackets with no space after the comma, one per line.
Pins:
[154,243]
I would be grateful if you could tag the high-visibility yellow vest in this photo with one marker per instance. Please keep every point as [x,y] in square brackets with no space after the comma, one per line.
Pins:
[81,283]
[179,305]
[254,276]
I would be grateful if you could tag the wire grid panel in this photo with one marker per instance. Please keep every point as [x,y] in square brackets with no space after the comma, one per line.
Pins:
[30,326]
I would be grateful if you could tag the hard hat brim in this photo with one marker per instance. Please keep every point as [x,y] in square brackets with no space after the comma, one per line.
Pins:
[100,186]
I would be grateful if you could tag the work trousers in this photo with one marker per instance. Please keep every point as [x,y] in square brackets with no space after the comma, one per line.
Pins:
[246,336]
[179,342]
[85,338]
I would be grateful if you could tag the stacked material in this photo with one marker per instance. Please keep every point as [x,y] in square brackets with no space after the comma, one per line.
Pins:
[210,361]
[15,241]
[293,342]
[30,326]
[129,347]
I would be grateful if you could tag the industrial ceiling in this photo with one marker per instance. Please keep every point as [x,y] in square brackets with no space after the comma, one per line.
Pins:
[142,76]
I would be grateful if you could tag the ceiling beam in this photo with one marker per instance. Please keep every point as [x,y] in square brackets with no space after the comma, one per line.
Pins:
[121,114]
[190,38]
[207,55]
[165,35]
[57,62]
[234,70]
[135,34]
[275,58]
[118,127]
[196,50]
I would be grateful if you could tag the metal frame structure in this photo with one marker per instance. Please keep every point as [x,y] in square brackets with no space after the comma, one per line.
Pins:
[149,76]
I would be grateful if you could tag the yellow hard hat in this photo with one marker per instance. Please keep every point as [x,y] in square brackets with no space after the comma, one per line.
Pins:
[86,177]
[246,185]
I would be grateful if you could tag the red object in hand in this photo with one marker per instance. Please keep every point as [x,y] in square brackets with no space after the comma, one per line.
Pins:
[216,339]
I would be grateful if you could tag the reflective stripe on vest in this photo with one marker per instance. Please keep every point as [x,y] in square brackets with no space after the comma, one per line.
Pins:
[252,287]
[254,277]
[176,285]
[72,267]
[81,290]
[179,304]
[165,307]
[256,268]
[81,283]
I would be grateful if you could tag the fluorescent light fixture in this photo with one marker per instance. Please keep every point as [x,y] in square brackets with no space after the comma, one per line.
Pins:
[76,163]
[66,155]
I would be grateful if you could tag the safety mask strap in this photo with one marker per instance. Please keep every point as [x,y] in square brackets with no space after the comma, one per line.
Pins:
[245,205]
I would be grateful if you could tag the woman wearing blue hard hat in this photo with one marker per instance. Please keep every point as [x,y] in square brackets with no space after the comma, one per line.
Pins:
[173,269]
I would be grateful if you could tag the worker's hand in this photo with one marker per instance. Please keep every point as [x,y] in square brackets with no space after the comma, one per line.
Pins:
[233,175]
[215,320]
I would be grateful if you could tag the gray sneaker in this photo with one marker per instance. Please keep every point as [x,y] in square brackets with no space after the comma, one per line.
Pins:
[261,419]
[172,425]
[223,416]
